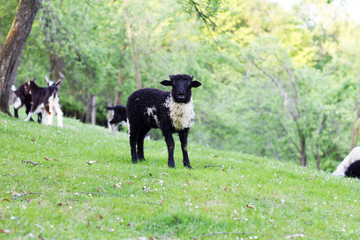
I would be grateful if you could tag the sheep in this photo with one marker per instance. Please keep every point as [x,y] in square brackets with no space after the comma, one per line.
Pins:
[171,111]
[350,166]
[118,117]
[47,98]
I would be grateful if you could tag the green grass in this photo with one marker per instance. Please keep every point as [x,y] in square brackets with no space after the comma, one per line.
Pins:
[246,197]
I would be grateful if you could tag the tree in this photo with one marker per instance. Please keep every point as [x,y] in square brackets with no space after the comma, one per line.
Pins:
[12,49]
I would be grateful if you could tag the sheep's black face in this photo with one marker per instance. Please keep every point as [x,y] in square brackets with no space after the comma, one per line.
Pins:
[181,87]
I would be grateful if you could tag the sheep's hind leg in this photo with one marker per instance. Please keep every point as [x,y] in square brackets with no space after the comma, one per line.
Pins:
[132,139]
[140,144]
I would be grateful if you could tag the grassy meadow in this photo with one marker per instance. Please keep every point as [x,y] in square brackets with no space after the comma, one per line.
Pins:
[79,183]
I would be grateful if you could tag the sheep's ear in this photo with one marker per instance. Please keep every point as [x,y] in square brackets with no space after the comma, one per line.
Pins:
[171,76]
[195,84]
[166,83]
[34,79]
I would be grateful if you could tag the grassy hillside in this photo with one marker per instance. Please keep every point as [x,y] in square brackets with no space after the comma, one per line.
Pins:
[239,196]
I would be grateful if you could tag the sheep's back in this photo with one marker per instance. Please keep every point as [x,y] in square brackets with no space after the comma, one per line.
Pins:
[146,106]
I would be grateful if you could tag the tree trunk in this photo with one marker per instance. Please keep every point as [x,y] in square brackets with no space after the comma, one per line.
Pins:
[121,80]
[303,160]
[318,159]
[14,44]
[93,110]
[88,111]
[134,52]
[49,25]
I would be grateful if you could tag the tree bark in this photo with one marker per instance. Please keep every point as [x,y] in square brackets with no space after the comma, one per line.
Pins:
[134,50]
[93,110]
[88,111]
[303,160]
[12,49]
[121,80]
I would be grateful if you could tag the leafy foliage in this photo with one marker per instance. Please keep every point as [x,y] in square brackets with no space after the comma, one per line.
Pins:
[232,47]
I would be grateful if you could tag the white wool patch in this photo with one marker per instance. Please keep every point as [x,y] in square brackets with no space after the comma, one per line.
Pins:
[181,114]
[13,88]
[152,113]
[17,103]
[353,156]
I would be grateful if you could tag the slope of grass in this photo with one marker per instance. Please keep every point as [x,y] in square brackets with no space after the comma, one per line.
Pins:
[238,196]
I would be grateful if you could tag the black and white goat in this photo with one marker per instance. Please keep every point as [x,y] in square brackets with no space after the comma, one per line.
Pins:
[118,116]
[23,99]
[44,98]
[350,166]
[170,111]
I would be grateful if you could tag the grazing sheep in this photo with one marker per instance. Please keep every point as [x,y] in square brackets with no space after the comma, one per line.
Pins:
[170,111]
[350,166]
[44,98]
[118,117]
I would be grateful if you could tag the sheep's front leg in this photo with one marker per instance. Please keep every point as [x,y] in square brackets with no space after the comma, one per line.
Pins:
[170,146]
[183,139]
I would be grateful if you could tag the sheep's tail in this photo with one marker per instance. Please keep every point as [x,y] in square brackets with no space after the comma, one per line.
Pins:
[110,108]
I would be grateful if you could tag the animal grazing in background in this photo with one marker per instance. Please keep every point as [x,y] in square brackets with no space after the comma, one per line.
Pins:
[171,111]
[350,166]
[44,98]
[119,116]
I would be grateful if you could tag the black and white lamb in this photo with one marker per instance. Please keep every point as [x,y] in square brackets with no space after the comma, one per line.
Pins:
[171,111]
[350,166]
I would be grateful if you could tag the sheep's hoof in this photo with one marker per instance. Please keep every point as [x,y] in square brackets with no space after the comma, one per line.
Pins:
[189,167]
[142,159]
